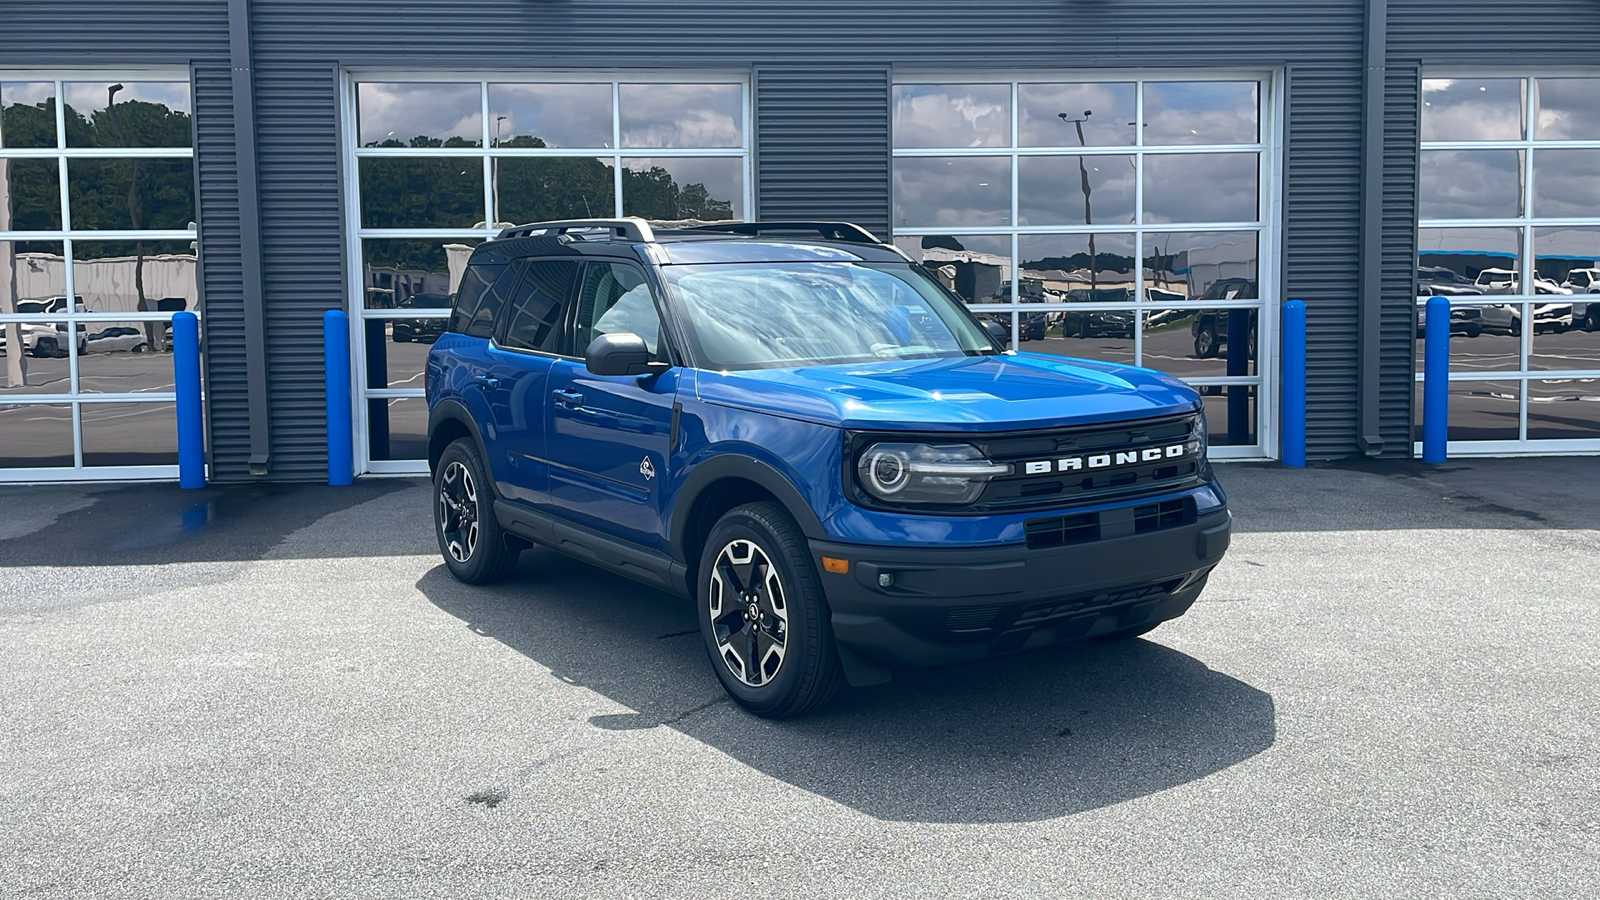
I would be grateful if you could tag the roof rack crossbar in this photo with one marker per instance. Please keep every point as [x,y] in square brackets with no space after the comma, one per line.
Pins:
[628,228]
[832,231]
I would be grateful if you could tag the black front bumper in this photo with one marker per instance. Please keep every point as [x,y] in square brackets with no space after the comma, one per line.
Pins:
[949,606]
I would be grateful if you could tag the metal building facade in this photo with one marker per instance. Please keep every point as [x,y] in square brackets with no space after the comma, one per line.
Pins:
[821,76]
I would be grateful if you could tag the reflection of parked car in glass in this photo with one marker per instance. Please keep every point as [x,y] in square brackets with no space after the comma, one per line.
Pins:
[1097,323]
[1438,281]
[424,330]
[1585,314]
[1210,326]
[118,337]
[43,339]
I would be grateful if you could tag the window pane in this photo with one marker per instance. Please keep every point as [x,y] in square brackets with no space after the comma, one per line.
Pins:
[131,194]
[419,115]
[1217,265]
[397,349]
[34,436]
[27,114]
[1201,343]
[977,267]
[615,299]
[40,366]
[1074,190]
[1559,345]
[1470,184]
[128,114]
[541,189]
[1484,337]
[421,192]
[1200,112]
[130,434]
[1053,115]
[702,190]
[1569,258]
[34,190]
[1483,410]
[1230,414]
[533,321]
[1564,410]
[1078,268]
[32,277]
[135,276]
[701,116]
[1472,109]
[1101,335]
[952,115]
[393,271]
[1569,109]
[397,428]
[1202,187]
[550,115]
[1566,183]
[953,192]
[1468,261]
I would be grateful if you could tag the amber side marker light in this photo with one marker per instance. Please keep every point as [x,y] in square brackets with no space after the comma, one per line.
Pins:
[836,566]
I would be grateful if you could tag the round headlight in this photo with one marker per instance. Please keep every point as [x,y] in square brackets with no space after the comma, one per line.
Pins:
[887,472]
[926,473]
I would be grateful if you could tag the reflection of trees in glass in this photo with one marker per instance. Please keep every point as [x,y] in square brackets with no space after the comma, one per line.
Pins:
[1103,262]
[407,255]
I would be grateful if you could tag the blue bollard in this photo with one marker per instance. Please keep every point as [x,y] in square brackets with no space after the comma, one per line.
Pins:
[1436,381]
[336,381]
[186,384]
[1294,383]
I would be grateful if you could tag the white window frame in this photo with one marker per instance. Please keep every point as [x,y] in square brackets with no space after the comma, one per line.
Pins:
[66,234]
[1268,226]
[354,231]
[1527,223]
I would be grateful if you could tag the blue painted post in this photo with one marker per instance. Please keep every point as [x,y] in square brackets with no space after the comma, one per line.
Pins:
[186,384]
[1294,383]
[1436,381]
[336,381]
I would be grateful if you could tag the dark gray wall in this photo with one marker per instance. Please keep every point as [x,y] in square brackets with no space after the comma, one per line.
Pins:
[820,73]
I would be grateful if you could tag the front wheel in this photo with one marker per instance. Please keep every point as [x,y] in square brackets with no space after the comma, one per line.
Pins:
[762,615]
[475,548]
[1205,342]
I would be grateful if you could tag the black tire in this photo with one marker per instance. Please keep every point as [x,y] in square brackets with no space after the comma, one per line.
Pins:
[747,550]
[46,348]
[474,546]
[402,339]
[1205,342]
[1472,331]
[1591,319]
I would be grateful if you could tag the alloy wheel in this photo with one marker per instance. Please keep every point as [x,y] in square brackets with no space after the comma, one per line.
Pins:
[458,512]
[749,613]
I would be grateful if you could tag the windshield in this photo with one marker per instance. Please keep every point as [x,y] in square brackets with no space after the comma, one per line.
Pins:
[770,315]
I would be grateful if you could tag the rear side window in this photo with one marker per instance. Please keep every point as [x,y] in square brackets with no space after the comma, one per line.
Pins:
[533,315]
[476,301]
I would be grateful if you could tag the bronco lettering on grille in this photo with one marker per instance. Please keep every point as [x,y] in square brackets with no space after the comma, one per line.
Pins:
[1105,460]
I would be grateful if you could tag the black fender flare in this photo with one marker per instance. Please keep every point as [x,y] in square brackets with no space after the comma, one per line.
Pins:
[452,411]
[732,465]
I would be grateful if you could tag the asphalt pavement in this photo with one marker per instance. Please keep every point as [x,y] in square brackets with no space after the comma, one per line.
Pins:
[1388,689]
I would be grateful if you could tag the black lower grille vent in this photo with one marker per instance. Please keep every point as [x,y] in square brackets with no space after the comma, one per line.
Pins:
[1062,531]
[1164,515]
[965,619]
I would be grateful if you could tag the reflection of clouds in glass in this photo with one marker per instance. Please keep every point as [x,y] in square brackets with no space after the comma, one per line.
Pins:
[560,115]
[1566,183]
[1201,187]
[1039,123]
[1194,262]
[682,115]
[952,115]
[1470,184]
[28,93]
[954,193]
[1217,112]
[1581,246]
[401,112]
[1478,109]
[1569,109]
[1050,190]
[88,96]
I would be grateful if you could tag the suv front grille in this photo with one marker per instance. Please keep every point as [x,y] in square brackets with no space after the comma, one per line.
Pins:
[1084,528]
[1076,465]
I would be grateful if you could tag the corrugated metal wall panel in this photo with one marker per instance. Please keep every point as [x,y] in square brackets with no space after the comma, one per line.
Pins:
[821,145]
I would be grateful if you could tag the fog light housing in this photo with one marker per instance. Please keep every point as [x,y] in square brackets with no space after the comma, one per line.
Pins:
[885,579]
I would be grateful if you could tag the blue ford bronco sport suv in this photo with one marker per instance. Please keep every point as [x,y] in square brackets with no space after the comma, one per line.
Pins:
[805,433]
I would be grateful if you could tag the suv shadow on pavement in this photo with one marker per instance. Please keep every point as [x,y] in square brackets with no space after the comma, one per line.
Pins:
[1014,739]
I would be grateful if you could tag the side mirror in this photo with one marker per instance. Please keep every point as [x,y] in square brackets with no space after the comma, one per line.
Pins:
[1000,333]
[621,353]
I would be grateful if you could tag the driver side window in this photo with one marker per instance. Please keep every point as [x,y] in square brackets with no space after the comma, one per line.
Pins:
[615,298]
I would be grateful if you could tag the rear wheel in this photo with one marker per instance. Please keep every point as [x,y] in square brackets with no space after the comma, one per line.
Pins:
[475,548]
[763,616]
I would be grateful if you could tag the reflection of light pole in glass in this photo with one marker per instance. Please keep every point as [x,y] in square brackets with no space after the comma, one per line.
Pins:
[1088,217]
[494,177]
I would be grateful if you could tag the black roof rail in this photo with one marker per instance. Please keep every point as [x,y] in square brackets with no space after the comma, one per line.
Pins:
[831,231]
[628,228]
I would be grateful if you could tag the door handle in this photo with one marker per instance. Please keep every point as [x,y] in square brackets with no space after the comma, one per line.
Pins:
[486,382]
[570,399]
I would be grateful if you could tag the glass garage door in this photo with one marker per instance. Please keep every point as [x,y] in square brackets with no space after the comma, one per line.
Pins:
[438,167]
[1120,220]
[97,251]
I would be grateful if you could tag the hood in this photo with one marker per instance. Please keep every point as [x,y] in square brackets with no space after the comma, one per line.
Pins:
[974,394]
